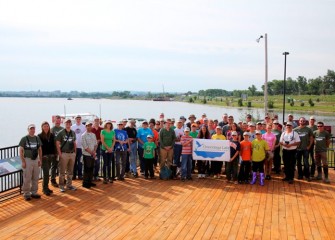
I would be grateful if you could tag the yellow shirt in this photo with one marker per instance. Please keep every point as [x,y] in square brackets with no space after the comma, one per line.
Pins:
[218,137]
[259,148]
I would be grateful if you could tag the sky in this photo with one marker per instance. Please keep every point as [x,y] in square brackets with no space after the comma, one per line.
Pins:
[183,45]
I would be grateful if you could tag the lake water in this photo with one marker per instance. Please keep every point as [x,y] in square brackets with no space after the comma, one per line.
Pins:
[17,113]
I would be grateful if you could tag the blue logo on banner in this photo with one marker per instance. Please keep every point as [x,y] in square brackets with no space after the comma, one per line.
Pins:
[206,154]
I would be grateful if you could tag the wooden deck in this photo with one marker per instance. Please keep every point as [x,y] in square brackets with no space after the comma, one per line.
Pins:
[155,209]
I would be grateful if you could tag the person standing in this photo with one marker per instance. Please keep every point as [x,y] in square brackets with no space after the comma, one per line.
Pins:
[121,149]
[270,138]
[177,148]
[89,148]
[30,152]
[186,155]
[322,142]
[306,141]
[96,129]
[259,149]
[276,151]
[245,153]
[167,138]
[289,141]
[148,156]
[142,134]
[313,127]
[66,148]
[217,165]
[107,147]
[48,155]
[79,129]
[202,164]
[191,119]
[54,163]
[232,165]
[132,132]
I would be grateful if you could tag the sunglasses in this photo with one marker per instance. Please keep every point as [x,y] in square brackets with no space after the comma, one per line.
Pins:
[320,126]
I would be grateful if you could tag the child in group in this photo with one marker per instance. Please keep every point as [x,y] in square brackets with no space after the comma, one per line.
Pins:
[186,155]
[232,165]
[149,156]
[259,148]
[245,153]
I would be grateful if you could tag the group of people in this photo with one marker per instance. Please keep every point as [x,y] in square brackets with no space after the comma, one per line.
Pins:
[75,150]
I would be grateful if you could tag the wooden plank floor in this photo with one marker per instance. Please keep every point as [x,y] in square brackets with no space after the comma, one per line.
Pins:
[155,209]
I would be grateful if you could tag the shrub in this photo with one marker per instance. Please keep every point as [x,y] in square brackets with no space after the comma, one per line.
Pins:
[302,104]
[270,104]
[240,102]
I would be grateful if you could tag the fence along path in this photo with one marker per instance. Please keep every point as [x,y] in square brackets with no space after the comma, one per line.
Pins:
[154,209]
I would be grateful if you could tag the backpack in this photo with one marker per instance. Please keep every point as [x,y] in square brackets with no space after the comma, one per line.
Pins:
[165,173]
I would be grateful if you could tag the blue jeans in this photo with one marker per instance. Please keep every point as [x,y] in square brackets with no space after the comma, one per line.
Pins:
[78,166]
[97,161]
[133,158]
[186,165]
[140,156]
[120,161]
[177,148]
[108,160]
[304,154]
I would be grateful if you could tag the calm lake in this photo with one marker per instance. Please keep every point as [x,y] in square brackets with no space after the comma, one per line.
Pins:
[17,113]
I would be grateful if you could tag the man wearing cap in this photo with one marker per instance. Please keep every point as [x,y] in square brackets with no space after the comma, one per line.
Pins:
[121,149]
[290,119]
[132,132]
[96,130]
[186,163]
[89,148]
[79,129]
[183,120]
[306,140]
[228,126]
[167,138]
[66,148]
[191,119]
[252,131]
[54,162]
[31,156]
[313,127]
[248,118]
[224,120]
[289,140]
[141,136]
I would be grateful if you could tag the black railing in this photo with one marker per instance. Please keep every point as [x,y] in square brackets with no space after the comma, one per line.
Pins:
[9,152]
[10,185]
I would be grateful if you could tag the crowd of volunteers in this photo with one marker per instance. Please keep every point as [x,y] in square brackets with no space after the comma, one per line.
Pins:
[257,150]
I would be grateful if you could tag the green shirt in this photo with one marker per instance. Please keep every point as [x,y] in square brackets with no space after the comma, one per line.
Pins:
[259,148]
[148,150]
[304,133]
[108,138]
[321,139]
[194,134]
[167,138]
[55,130]
[67,140]
[30,143]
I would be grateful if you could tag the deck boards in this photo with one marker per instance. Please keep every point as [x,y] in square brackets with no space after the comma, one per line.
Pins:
[155,209]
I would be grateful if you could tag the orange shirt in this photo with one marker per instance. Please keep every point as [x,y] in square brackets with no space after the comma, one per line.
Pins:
[245,150]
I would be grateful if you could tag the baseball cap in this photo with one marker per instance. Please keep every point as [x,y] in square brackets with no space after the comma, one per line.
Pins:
[218,127]
[88,123]
[246,134]
[67,120]
[234,133]
[31,126]
[78,116]
[120,123]
[191,116]
[149,136]
[312,118]
[275,121]
[289,123]
[186,129]
[251,124]
[145,122]
[258,132]
[182,117]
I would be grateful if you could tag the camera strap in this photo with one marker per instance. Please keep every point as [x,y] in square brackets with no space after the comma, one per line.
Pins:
[37,145]
[67,138]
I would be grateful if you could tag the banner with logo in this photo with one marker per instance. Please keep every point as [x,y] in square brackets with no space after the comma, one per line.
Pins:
[213,150]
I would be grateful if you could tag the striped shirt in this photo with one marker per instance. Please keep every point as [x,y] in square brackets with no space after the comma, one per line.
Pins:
[187,149]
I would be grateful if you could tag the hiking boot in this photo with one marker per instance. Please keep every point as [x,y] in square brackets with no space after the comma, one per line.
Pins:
[54,183]
[71,188]
[105,181]
[61,189]
[27,197]
[326,180]
[35,195]
[261,179]
[254,177]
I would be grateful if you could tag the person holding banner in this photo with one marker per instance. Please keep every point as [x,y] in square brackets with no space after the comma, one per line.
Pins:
[232,165]
[186,155]
[217,165]
[202,164]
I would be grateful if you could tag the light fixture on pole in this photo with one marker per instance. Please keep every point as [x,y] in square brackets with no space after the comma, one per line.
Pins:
[266,72]
[284,92]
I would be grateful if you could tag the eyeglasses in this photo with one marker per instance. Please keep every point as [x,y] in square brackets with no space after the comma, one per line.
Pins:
[288,126]
[320,126]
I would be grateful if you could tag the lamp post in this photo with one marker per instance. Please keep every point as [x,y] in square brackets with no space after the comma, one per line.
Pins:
[266,72]
[285,54]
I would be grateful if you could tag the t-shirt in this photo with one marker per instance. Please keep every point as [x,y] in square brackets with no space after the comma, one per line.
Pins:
[122,136]
[142,134]
[277,133]
[291,137]
[89,140]
[194,134]
[97,132]
[270,139]
[149,150]
[218,137]
[108,138]
[179,133]
[48,144]
[66,140]
[55,130]
[187,149]
[234,147]
[252,136]
[132,132]
[321,139]
[79,130]
[259,148]
[304,133]
[29,144]
[245,152]
[166,137]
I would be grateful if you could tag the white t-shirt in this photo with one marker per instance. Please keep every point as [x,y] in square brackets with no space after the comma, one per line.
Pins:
[79,130]
[292,137]
[179,133]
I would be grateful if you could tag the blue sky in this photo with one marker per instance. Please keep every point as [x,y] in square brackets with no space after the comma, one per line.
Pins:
[109,45]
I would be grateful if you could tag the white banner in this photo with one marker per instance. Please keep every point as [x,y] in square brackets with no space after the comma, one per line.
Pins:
[213,150]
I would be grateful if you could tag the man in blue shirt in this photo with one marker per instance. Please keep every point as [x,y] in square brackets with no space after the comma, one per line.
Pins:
[142,134]
[121,148]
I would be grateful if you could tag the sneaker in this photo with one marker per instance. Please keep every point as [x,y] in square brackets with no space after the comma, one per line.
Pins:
[27,197]
[247,181]
[215,176]
[72,188]
[326,180]
[50,191]
[93,184]
[80,178]
[121,179]
[35,195]
[309,179]
[142,173]
[62,189]
[190,178]
[54,183]
[183,179]
[111,180]
[290,181]
[96,179]
[300,177]
[105,181]
[86,186]
[46,192]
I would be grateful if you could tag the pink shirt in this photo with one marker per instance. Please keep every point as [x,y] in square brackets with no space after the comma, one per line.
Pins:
[187,149]
[270,138]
